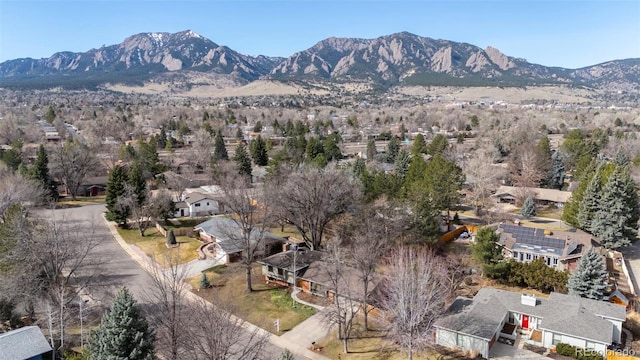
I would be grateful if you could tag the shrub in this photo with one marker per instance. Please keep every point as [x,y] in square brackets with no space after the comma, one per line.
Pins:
[577,353]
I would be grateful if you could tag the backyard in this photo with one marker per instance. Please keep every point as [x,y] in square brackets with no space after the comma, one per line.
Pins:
[261,307]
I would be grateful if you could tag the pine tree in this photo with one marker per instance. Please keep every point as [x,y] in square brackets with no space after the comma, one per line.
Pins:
[419,145]
[123,334]
[259,151]
[393,147]
[371,150]
[171,238]
[528,208]
[115,189]
[589,279]
[40,173]
[403,160]
[286,355]
[204,281]
[50,115]
[137,180]
[590,202]
[242,160]
[219,149]
[571,209]
[615,222]
[556,174]
[438,145]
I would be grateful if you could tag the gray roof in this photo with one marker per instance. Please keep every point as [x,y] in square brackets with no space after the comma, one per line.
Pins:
[226,232]
[194,197]
[570,315]
[23,343]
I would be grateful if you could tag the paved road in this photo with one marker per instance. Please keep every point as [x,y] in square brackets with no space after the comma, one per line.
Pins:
[116,268]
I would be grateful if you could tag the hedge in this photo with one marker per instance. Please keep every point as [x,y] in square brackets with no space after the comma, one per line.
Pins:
[577,353]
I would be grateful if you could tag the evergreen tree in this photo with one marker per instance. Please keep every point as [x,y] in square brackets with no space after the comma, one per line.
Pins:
[314,148]
[528,208]
[137,180]
[402,163]
[556,174]
[242,160]
[590,202]
[571,209]
[259,151]
[438,145]
[219,149]
[442,181]
[371,150]
[123,334]
[419,146]
[286,355]
[485,250]
[331,149]
[590,278]
[50,115]
[40,173]
[393,147]
[615,222]
[115,189]
[171,238]
[162,139]
[204,281]
[239,134]
[415,173]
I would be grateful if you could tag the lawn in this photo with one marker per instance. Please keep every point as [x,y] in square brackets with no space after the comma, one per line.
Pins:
[262,306]
[154,245]
[288,230]
[371,344]
[67,202]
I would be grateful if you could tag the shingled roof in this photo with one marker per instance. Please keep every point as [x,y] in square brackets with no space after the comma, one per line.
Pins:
[23,343]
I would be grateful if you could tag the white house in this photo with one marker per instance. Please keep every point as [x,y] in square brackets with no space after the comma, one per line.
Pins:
[476,324]
[198,204]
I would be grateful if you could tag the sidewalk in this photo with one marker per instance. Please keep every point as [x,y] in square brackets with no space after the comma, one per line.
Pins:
[297,348]
[309,331]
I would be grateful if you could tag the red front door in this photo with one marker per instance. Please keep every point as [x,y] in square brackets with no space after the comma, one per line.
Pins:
[525,321]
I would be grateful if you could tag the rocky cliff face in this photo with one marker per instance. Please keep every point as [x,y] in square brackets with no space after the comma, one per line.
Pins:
[395,59]
[157,52]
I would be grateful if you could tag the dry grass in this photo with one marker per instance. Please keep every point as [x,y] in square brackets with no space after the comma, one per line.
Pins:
[513,95]
[80,201]
[370,345]
[262,306]
[154,245]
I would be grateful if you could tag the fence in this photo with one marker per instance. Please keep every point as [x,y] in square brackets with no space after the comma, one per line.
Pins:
[186,231]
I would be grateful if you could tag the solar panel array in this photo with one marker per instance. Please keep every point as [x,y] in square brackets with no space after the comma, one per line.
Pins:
[533,236]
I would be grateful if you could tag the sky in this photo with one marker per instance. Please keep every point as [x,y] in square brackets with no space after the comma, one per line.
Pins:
[565,33]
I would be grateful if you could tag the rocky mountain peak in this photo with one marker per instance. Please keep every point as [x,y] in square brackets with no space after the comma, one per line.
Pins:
[499,58]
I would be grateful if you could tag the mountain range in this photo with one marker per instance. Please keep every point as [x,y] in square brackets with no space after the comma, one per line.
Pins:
[396,59]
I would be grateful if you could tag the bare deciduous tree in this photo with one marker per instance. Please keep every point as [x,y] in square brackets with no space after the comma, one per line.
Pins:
[413,296]
[171,309]
[251,215]
[140,212]
[345,306]
[71,163]
[482,176]
[525,172]
[310,198]
[216,334]
[17,190]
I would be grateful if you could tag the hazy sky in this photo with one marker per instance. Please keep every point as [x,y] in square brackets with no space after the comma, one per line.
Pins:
[567,33]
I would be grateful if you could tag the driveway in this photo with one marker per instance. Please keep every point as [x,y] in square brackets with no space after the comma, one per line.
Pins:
[504,351]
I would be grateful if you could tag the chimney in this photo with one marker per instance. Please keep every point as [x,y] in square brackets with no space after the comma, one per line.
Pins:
[528,299]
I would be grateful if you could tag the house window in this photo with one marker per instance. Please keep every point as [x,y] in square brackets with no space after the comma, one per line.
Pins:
[270,268]
[528,256]
[557,338]
[590,345]
[515,254]
[460,340]
[280,272]
[196,204]
[207,203]
[555,261]
[548,261]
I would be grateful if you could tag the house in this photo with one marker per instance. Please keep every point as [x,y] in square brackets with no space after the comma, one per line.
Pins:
[495,315]
[560,249]
[93,186]
[509,194]
[224,235]
[198,204]
[313,272]
[26,343]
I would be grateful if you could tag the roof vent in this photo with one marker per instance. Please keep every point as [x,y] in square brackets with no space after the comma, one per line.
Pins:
[528,299]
